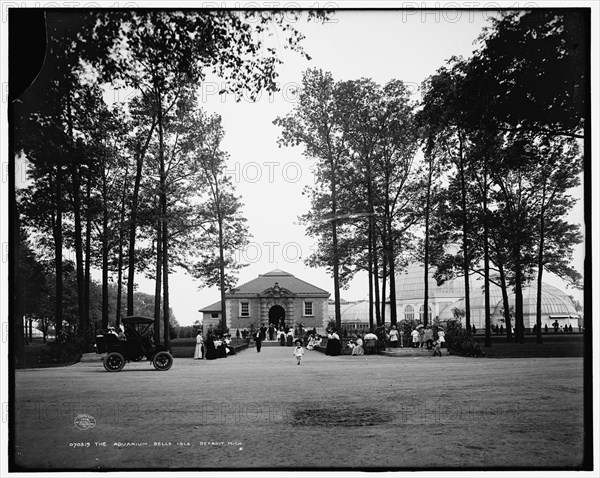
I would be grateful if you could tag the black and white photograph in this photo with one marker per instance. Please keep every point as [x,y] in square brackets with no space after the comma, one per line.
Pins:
[299,237]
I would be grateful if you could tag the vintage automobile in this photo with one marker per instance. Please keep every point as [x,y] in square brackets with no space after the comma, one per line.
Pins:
[138,344]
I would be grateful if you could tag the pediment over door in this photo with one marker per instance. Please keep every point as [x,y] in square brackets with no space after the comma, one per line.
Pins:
[276,292]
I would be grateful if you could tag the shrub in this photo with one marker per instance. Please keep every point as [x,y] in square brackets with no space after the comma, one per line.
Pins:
[382,337]
[406,327]
[461,341]
[67,348]
[220,330]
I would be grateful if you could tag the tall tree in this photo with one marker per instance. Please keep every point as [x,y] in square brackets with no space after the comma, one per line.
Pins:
[558,173]
[447,124]
[315,124]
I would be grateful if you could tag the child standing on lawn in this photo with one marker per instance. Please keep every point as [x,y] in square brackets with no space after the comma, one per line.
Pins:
[298,351]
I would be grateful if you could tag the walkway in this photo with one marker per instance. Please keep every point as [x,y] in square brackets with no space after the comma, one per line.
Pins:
[261,410]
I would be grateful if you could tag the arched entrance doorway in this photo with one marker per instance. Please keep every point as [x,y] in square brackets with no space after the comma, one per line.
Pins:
[277,316]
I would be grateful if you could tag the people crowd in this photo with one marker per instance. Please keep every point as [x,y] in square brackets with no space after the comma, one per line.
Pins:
[356,343]
[215,346]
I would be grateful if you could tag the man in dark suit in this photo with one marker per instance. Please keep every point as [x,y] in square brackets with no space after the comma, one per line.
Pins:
[258,339]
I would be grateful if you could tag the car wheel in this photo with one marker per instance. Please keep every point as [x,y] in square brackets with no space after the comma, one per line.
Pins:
[162,361]
[114,362]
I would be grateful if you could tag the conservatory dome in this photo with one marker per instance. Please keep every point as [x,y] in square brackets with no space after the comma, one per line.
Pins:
[409,285]
[556,304]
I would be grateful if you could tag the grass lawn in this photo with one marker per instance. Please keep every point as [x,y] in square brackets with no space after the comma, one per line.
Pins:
[552,346]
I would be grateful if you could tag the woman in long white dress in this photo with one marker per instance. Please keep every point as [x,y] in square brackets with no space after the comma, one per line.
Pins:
[415,338]
[199,351]
[441,337]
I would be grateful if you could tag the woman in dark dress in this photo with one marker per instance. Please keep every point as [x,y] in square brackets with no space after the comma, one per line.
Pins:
[281,337]
[329,343]
[210,352]
[334,344]
[221,348]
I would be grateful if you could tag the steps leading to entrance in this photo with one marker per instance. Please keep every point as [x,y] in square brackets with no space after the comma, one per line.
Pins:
[410,352]
[266,343]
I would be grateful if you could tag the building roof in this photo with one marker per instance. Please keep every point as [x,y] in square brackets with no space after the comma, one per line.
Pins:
[216,307]
[357,311]
[554,302]
[409,285]
[284,279]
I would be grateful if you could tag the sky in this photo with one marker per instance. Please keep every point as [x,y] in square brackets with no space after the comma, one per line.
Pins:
[381,45]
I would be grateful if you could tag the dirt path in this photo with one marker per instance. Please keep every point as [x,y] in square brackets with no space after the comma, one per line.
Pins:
[261,410]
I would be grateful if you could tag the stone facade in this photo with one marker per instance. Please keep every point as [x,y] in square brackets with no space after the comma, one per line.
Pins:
[211,315]
[276,297]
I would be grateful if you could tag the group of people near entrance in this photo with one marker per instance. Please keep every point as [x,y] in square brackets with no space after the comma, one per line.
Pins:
[213,347]
[285,336]
[220,346]
[421,336]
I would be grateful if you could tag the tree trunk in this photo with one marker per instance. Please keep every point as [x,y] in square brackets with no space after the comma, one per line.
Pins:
[166,318]
[132,234]
[221,253]
[141,152]
[538,312]
[158,282]
[486,261]
[58,246]
[119,287]
[506,305]
[370,271]
[486,273]
[18,287]
[426,247]
[538,318]
[384,278]
[88,247]
[104,253]
[76,185]
[83,318]
[222,274]
[120,258]
[163,223]
[334,240]
[519,326]
[376,279]
[392,272]
[465,235]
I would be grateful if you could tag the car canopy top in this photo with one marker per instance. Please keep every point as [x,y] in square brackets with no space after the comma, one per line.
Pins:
[137,319]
